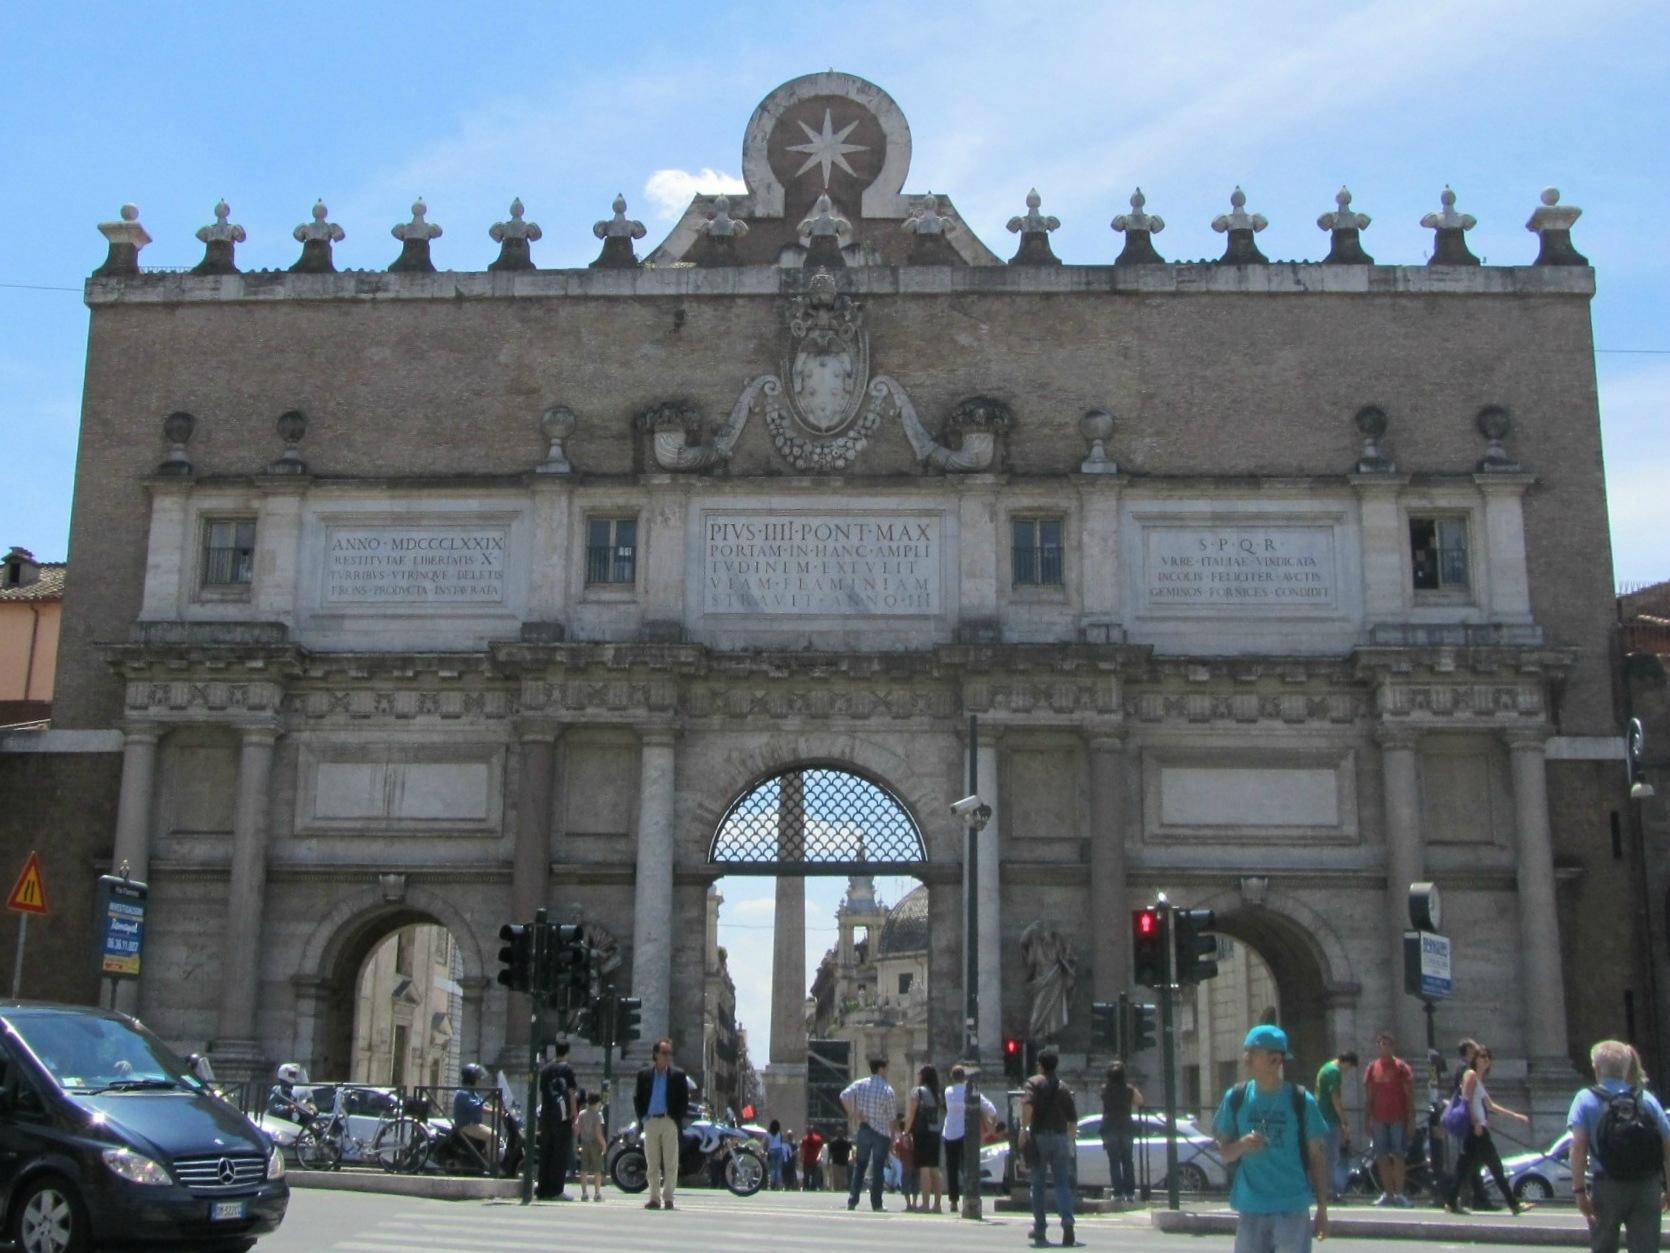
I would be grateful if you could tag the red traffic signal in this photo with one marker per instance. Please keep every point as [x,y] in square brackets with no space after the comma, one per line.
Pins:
[1148,947]
[1014,1060]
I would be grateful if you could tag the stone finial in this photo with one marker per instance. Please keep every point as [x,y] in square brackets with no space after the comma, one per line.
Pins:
[617,234]
[1371,424]
[1034,229]
[826,228]
[557,423]
[414,237]
[720,224]
[291,427]
[126,237]
[1346,225]
[1495,425]
[220,241]
[1240,226]
[926,219]
[1139,228]
[1450,232]
[513,236]
[1097,428]
[1552,221]
[316,238]
[176,431]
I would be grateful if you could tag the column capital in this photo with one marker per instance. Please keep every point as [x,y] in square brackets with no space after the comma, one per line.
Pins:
[1391,735]
[1527,739]
[1504,483]
[474,985]
[1106,739]
[260,732]
[141,732]
[658,734]
[531,728]
[1366,483]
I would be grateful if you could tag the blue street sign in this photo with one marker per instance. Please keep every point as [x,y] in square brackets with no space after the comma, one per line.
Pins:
[121,915]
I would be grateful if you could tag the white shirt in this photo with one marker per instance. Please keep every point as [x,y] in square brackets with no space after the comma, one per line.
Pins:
[954,1129]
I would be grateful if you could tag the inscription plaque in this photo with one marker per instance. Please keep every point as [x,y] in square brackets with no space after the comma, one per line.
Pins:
[414,565]
[1214,568]
[873,563]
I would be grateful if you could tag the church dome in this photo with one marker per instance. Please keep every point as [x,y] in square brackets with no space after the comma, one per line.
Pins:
[906,928]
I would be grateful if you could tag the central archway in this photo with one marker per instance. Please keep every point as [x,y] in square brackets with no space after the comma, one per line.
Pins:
[818,819]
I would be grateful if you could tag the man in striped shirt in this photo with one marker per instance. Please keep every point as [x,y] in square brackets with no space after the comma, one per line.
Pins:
[873,1106]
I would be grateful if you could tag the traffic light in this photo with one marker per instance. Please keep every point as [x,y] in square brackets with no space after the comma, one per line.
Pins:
[1197,948]
[516,956]
[1014,1061]
[1148,946]
[629,1017]
[568,966]
[1143,1029]
[1104,1026]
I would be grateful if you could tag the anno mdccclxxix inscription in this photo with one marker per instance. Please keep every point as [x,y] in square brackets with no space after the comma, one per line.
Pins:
[424,565]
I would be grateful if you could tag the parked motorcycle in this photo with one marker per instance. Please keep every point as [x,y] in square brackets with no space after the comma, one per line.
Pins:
[706,1150]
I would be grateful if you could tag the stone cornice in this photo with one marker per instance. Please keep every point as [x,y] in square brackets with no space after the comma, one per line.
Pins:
[1280,278]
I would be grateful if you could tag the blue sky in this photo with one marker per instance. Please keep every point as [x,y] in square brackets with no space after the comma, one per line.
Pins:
[173,105]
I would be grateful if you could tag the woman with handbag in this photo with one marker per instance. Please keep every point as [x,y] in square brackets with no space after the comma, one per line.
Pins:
[926,1120]
[1479,1149]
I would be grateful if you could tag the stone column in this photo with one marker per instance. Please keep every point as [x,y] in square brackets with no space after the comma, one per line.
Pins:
[133,824]
[238,1050]
[530,862]
[1405,864]
[1110,937]
[785,1077]
[1542,980]
[990,888]
[652,909]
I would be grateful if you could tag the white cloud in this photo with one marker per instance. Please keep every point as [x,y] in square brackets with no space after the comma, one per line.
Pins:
[670,191]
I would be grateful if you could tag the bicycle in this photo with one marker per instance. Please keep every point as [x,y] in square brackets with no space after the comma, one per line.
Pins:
[399,1143]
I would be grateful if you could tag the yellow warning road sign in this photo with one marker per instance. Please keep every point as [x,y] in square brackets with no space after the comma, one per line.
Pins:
[29,894]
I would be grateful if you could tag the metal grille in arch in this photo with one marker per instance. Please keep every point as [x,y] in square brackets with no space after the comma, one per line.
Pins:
[817,820]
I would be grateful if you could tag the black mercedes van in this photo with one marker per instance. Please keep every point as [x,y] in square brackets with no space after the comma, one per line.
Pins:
[105,1133]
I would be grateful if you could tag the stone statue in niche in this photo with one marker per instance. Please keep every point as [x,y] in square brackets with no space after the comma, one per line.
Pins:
[1051,975]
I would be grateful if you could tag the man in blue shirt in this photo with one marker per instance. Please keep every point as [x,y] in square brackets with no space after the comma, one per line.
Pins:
[1634,1203]
[661,1101]
[1276,1132]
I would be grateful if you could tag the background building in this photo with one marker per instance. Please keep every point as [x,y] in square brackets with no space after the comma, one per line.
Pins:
[31,604]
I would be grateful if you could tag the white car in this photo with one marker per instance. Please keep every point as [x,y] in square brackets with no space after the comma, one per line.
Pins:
[1541,1176]
[1200,1166]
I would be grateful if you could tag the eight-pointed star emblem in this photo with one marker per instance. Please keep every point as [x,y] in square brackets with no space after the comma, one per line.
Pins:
[828,148]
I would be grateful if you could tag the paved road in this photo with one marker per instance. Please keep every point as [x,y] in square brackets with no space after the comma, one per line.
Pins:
[359,1223]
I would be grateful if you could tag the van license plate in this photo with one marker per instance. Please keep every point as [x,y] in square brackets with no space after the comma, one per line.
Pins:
[223,1211]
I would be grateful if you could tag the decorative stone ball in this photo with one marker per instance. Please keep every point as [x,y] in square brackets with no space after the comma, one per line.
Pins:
[1096,425]
[1551,196]
[1494,422]
[1371,421]
[292,425]
[177,427]
[557,422]
[130,213]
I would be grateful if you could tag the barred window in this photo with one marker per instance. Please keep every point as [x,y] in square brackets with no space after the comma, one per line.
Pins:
[229,552]
[1438,554]
[1037,552]
[612,550]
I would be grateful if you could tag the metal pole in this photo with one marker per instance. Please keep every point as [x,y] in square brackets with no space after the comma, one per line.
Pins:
[973,1123]
[530,1111]
[609,1005]
[1168,1056]
[17,965]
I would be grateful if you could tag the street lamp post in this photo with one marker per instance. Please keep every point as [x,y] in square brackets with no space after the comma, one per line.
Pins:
[978,816]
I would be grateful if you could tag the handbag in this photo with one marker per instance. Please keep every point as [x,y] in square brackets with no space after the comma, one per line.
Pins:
[1455,1120]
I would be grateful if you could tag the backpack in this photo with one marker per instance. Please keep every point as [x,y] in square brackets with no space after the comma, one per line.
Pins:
[927,1113]
[1241,1091]
[1627,1139]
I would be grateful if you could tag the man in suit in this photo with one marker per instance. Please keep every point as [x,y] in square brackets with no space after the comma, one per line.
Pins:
[662,1100]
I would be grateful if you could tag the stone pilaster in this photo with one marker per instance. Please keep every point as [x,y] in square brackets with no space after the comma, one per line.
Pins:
[652,909]
[1405,864]
[1542,977]
[1110,939]
[1504,544]
[133,824]
[238,1049]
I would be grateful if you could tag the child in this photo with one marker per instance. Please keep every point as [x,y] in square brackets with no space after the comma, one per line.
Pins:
[903,1150]
[588,1133]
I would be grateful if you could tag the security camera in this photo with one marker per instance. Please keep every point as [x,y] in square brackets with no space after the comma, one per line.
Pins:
[965,806]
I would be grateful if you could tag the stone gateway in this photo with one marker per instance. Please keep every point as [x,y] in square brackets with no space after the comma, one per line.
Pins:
[499,590]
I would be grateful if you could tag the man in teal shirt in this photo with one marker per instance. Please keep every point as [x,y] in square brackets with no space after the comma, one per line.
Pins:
[1276,1132]
[1330,1098]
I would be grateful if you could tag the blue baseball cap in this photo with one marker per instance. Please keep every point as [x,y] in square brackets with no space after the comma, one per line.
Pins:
[1268,1037]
